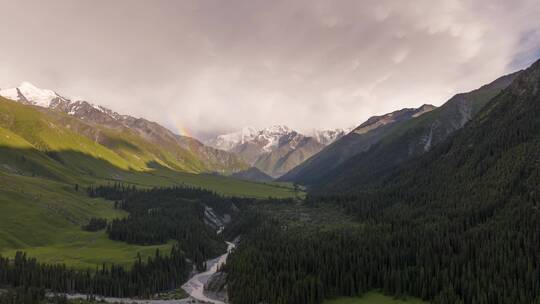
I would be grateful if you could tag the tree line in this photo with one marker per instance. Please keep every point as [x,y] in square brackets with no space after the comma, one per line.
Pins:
[144,278]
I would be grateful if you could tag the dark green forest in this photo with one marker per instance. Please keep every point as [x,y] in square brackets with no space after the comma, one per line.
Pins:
[155,216]
[458,225]
[144,278]
[159,215]
[30,295]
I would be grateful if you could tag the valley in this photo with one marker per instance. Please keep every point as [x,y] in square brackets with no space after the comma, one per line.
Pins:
[99,204]
[269,152]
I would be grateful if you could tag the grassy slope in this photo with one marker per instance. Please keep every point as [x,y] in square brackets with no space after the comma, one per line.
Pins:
[43,217]
[40,211]
[374,298]
[53,151]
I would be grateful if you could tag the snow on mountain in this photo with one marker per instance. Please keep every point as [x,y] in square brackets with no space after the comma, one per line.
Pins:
[270,137]
[267,138]
[228,141]
[29,94]
[276,149]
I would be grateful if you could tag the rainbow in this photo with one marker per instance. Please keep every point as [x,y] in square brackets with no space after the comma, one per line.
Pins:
[183,130]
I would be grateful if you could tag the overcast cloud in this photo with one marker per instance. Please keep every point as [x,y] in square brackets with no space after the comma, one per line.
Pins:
[216,66]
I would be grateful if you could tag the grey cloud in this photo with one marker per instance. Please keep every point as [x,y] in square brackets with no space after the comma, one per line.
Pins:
[213,66]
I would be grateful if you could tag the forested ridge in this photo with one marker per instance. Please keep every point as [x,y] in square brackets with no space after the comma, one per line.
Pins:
[458,225]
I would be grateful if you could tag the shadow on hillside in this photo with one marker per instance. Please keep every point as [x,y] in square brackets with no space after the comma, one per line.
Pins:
[75,167]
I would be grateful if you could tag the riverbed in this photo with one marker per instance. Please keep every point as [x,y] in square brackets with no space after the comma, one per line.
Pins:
[194,287]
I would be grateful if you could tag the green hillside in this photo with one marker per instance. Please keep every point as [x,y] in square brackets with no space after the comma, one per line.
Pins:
[50,144]
[45,155]
[473,201]
[370,153]
[412,138]
[44,218]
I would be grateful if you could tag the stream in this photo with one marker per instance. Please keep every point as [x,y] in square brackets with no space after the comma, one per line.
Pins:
[194,287]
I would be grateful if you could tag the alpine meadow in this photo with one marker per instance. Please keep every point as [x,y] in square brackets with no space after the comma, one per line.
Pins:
[270,152]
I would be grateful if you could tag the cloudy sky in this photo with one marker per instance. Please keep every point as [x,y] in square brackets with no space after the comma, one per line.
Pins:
[211,66]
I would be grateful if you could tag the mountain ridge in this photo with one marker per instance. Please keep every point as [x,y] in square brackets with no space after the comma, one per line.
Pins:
[358,140]
[372,152]
[277,149]
[181,147]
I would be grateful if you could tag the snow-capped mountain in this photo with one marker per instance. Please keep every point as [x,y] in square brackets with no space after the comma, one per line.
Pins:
[271,137]
[97,115]
[29,94]
[228,141]
[276,149]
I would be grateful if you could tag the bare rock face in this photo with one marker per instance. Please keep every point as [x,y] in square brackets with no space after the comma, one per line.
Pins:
[292,151]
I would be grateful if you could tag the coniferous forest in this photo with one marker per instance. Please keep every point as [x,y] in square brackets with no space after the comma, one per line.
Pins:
[159,215]
[459,225]
[156,216]
[30,295]
[161,272]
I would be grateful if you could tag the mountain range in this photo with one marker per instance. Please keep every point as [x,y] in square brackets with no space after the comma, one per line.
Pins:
[317,158]
[140,142]
[273,151]
[277,149]
[458,182]
[384,142]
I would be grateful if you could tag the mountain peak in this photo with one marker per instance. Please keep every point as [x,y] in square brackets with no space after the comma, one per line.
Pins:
[278,129]
[28,93]
[275,149]
[271,136]
[29,86]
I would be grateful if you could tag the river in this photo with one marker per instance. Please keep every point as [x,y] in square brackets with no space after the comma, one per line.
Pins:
[194,287]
